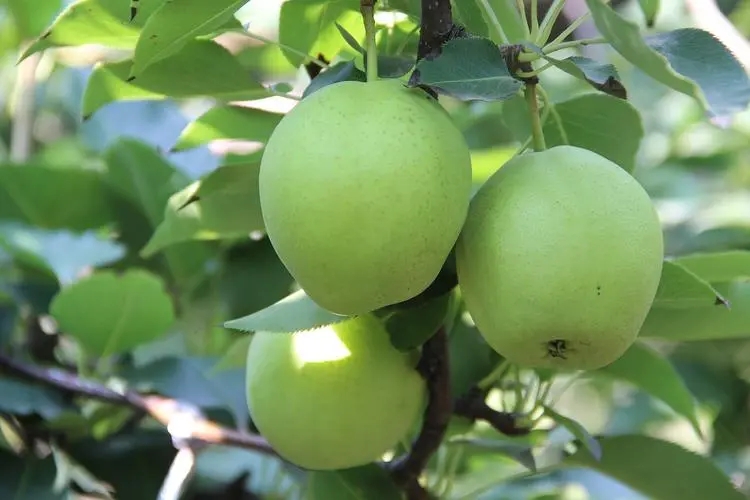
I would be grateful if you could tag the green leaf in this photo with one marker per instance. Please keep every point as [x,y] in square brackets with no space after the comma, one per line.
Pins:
[469,69]
[601,123]
[228,122]
[471,357]
[102,22]
[206,69]
[706,322]
[579,431]
[601,76]
[481,17]
[680,288]
[718,266]
[515,448]
[110,313]
[309,27]
[411,327]
[224,204]
[141,175]
[293,313]
[650,9]
[175,23]
[368,482]
[53,198]
[63,253]
[688,60]
[350,40]
[645,368]
[194,380]
[658,469]
[21,398]
[340,72]
[32,18]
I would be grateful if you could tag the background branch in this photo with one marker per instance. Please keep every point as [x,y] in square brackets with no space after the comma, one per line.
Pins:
[164,410]
[473,406]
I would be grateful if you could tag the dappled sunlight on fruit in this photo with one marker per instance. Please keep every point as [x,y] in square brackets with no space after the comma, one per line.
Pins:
[322,346]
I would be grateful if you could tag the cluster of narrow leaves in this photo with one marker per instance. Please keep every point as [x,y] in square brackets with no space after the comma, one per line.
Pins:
[145,247]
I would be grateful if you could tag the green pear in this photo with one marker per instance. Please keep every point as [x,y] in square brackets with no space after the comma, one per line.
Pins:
[333,397]
[560,259]
[364,188]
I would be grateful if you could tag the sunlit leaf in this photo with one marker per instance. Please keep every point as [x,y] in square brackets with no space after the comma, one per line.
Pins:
[228,122]
[175,23]
[293,313]
[680,288]
[718,266]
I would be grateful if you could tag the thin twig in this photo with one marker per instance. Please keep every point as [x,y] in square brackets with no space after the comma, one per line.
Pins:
[164,410]
[473,406]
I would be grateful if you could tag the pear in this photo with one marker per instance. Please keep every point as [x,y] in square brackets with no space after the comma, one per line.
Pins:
[364,188]
[560,259]
[333,397]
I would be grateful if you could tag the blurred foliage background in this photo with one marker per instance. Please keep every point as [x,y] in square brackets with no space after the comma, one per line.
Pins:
[697,172]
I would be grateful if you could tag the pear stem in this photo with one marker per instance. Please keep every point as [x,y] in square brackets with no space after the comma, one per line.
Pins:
[367,8]
[537,133]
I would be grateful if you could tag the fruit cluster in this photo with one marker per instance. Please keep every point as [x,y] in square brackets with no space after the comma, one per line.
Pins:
[365,190]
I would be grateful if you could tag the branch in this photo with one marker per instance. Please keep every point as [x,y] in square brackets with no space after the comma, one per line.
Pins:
[434,366]
[435,28]
[473,406]
[164,410]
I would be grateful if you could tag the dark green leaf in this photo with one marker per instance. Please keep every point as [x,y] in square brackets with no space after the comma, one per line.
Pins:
[53,198]
[601,123]
[688,60]
[175,23]
[140,174]
[471,357]
[680,288]
[28,478]
[705,322]
[339,72]
[228,122]
[646,369]
[196,381]
[650,9]
[718,266]
[253,277]
[368,482]
[293,313]
[411,327]
[601,76]
[21,398]
[658,469]
[469,69]
[205,68]
[224,204]
[309,27]
[579,431]
[135,463]
[109,313]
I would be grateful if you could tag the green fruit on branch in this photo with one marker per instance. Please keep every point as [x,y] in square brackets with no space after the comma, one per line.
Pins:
[334,397]
[364,188]
[560,259]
